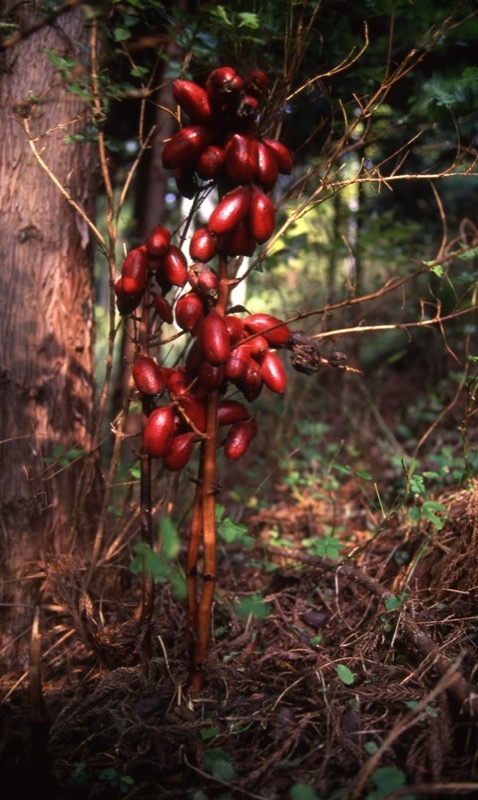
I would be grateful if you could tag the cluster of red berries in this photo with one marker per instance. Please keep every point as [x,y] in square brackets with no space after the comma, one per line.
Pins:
[226,351]
[219,145]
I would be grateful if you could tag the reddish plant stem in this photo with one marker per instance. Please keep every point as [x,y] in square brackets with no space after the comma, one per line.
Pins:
[208,489]
[192,559]
[146,517]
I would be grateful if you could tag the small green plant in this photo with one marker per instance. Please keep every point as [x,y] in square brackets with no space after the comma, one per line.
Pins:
[388,781]
[123,783]
[254,606]
[345,674]
[219,763]
[161,565]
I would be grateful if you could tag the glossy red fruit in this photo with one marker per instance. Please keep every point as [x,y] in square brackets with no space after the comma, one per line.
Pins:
[267,168]
[175,266]
[126,302]
[194,100]
[235,327]
[256,83]
[193,411]
[258,346]
[162,307]
[282,155]
[241,159]
[263,323]
[134,270]
[213,339]
[238,439]
[180,452]
[207,283]
[248,107]
[202,246]
[237,363]
[261,216]
[158,241]
[231,411]
[210,377]
[250,383]
[159,431]
[222,82]
[177,381]
[186,146]
[210,162]
[238,242]
[147,376]
[194,359]
[189,311]
[230,210]
[273,372]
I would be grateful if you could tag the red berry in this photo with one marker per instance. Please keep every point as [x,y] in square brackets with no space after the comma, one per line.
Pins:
[213,339]
[159,431]
[147,376]
[239,438]
[261,216]
[186,146]
[180,452]
[134,270]
[274,330]
[189,311]
[230,211]
[158,241]
[175,266]
[194,100]
[273,372]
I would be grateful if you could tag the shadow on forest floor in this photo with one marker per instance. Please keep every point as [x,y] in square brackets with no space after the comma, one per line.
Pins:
[343,682]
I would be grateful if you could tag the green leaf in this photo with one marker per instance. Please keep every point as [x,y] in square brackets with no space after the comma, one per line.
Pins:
[469,254]
[231,531]
[327,547]
[341,467]
[345,674]
[301,791]
[178,583]
[364,474]
[248,20]
[252,606]
[438,270]
[393,602]
[209,733]
[169,538]
[388,780]
[121,34]
[371,747]
[139,72]
[219,763]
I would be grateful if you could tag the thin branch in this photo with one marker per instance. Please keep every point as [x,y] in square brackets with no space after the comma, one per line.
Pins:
[61,188]
[12,40]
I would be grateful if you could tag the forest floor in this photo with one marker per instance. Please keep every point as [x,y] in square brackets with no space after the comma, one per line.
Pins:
[346,670]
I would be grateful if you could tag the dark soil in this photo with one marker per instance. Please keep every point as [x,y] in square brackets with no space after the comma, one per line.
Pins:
[277,711]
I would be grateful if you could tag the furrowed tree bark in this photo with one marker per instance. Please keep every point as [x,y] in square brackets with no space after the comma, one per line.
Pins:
[47,390]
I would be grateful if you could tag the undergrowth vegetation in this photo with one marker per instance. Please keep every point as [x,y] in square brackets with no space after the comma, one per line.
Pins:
[282,605]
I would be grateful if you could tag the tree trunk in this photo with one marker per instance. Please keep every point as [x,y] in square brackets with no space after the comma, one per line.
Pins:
[47,390]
